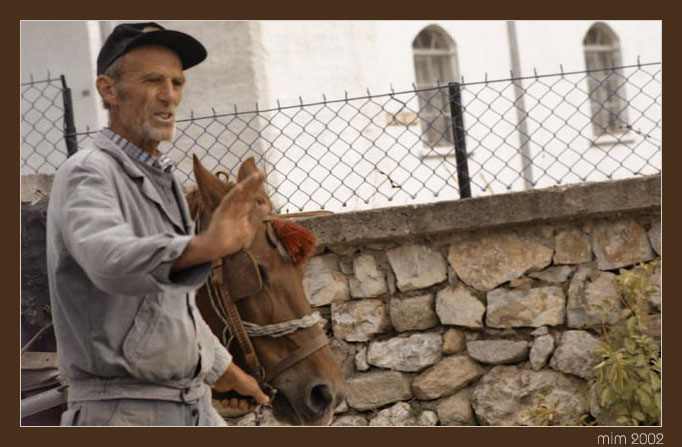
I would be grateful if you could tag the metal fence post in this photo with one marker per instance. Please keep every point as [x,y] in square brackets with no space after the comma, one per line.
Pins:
[521,113]
[69,125]
[454,93]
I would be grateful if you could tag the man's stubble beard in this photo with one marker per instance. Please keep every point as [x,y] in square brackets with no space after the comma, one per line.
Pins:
[146,130]
[149,132]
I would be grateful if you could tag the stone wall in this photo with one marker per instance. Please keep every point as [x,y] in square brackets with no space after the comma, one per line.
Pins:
[464,312]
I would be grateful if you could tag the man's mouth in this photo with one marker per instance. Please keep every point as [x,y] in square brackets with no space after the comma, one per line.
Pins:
[164,116]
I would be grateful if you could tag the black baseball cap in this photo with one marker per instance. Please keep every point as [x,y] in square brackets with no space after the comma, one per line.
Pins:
[127,36]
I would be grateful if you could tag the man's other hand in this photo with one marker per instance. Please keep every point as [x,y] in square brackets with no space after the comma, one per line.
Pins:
[234,378]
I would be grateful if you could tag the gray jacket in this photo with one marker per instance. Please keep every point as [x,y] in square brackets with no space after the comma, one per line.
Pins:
[125,326]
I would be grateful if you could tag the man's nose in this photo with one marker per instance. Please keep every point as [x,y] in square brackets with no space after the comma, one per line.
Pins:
[169,92]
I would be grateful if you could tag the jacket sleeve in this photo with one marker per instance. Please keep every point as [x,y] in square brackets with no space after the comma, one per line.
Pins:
[221,356]
[104,245]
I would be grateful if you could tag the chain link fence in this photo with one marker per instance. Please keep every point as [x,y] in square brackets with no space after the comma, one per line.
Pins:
[43,118]
[423,145]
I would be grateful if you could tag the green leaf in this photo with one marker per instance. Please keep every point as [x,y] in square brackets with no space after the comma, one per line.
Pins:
[644,398]
[630,346]
[638,415]
[604,396]
[622,420]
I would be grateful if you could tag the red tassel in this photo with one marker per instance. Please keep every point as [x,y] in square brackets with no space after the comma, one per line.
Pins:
[298,240]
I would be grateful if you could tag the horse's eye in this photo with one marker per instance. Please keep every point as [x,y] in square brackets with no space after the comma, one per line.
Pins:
[263,273]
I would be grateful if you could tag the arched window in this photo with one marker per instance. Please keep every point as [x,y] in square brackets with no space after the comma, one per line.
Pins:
[435,61]
[606,85]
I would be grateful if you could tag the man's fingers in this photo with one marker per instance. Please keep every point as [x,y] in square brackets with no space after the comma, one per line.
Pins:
[261,397]
[244,404]
[252,389]
[259,213]
[237,404]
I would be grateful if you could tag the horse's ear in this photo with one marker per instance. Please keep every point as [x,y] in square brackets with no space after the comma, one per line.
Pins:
[211,188]
[247,168]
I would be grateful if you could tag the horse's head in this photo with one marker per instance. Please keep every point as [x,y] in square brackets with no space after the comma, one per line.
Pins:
[310,388]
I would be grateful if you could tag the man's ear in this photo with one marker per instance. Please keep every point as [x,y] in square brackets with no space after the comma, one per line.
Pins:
[107,89]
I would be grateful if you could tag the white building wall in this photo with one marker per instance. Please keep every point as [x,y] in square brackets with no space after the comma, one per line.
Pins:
[308,61]
[589,157]
[351,147]
[493,142]
[58,48]
[64,48]
[482,47]
[311,58]
[354,58]
[546,45]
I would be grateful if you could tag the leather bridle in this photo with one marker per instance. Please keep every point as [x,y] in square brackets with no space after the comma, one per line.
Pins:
[236,277]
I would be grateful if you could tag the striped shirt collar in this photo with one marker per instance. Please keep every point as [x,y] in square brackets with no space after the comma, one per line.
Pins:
[163,162]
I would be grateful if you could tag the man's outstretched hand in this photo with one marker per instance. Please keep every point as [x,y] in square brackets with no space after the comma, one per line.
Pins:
[235,221]
[233,225]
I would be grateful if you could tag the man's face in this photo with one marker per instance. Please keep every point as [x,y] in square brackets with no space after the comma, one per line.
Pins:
[148,94]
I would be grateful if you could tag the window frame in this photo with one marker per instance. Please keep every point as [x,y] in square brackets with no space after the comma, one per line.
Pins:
[605,87]
[434,104]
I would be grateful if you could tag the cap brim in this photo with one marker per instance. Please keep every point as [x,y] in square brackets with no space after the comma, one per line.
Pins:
[190,50]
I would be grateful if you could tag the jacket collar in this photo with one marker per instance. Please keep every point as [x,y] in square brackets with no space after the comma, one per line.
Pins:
[146,186]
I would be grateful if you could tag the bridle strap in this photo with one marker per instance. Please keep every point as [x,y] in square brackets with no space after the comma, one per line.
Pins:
[235,323]
[217,291]
[299,354]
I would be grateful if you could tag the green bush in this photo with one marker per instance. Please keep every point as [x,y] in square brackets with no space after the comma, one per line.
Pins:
[627,380]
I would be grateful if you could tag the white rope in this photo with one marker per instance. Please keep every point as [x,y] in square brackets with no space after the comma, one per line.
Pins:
[284,328]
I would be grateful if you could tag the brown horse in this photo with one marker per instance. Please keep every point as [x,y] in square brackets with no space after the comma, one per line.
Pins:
[308,390]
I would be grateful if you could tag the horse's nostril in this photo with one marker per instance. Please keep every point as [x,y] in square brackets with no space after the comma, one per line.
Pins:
[320,398]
